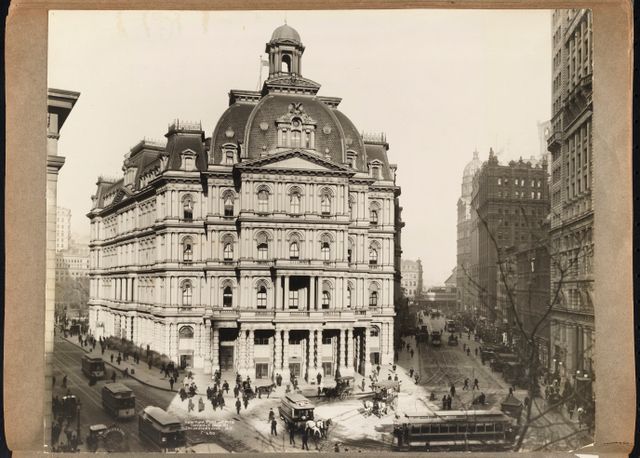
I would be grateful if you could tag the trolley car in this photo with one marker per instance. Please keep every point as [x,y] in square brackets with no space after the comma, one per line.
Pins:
[93,367]
[451,430]
[161,428]
[119,400]
[295,409]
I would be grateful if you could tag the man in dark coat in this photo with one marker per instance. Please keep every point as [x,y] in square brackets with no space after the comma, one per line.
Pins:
[292,435]
[305,440]
[274,425]
[238,406]
[319,378]
[171,382]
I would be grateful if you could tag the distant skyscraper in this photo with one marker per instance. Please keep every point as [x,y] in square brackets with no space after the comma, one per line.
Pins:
[463,234]
[63,228]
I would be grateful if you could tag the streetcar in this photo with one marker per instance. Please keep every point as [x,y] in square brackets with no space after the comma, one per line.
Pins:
[296,410]
[93,367]
[161,428]
[451,430]
[451,326]
[118,400]
[436,325]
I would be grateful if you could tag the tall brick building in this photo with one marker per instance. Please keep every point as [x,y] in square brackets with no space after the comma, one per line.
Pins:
[270,247]
[569,141]
[509,205]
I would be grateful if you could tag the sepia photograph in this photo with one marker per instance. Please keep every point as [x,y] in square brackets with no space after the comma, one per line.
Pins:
[387,249]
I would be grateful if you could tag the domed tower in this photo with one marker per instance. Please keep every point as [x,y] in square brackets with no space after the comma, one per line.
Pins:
[467,177]
[285,51]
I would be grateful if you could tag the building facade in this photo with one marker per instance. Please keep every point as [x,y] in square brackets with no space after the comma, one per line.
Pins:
[73,262]
[411,272]
[570,145]
[63,228]
[510,203]
[269,247]
[464,285]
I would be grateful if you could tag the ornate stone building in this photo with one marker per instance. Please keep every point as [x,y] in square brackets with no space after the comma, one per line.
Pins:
[411,272]
[570,145]
[269,247]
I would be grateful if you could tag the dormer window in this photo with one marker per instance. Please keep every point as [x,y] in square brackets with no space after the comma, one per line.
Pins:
[351,159]
[228,158]
[188,160]
[375,168]
[296,129]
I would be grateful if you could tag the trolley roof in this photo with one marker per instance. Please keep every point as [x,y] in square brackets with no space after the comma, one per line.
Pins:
[93,359]
[161,416]
[118,388]
[299,400]
[453,415]
[387,384]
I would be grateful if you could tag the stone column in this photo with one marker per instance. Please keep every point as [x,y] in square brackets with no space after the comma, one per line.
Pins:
[358,352]
[278,296]
[312,293]
[350,352]
[366,357]
[317,350]
[277,350]
[250,354]
[285,304]
[215,350]
[285,355]
[342,354]
[242,338]
[319,294]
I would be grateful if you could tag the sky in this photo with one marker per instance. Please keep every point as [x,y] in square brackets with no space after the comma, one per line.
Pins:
[440,84]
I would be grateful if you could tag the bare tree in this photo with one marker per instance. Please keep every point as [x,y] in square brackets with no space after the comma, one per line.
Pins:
[519,299]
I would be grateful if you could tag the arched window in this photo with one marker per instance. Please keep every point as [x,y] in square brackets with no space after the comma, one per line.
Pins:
[325,250]
[228,205]
[294,202]
[185,332]
[227,296]
[263,200]
[187,208]
[326,300]
[373,217]
[296,133]
[263,249]
[373,298]
[325,204]
[187,250]
[187,293]
[262,297]
[286,63]
[348,297]
[227,251]
[373,256]
[294,251]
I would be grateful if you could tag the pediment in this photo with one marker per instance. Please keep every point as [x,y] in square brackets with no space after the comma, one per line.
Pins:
[295,160]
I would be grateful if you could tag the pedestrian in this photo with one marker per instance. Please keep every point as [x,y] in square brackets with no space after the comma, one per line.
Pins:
[411,372]
[476,350]
[319,378]
[274,425]
[378,369]
[246,402]
[113,376]
[236,391]
[452,390]
[510,391]
[119,360]
[225,387]
[466,384]
[444,402]
[149,362]
[475,384]
[305,440]
[570,410]
[389,377]
[53,379]
[111,358]
[411,352]
[363,384]
[395,378]
[126,372]
[64,381]
[279,379]
[468,352]
[271,416]
[171,382]
[292,434]
[190,406]
[238,406]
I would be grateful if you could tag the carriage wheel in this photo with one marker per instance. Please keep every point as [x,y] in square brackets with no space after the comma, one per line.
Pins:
[343,396]
[114,441]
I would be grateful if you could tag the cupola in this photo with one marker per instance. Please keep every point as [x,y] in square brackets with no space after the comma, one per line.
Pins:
[285,52]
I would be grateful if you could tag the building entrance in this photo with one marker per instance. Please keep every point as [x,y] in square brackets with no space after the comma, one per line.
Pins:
[294,369]
[186,361]
[226,358]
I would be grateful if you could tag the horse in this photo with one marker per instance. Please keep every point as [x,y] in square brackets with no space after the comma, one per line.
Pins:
[382,409]
[368,407]
[323,425]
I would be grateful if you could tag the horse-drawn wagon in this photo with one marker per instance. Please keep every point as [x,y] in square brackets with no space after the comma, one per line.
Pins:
[342,390]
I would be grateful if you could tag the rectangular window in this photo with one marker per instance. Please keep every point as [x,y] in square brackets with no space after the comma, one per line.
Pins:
[261,341]
[326,340]
[294,299]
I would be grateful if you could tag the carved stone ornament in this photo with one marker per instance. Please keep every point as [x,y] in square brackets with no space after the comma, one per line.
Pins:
[296,108]
[264,126]
[326,129]
[348,141]
[229,133]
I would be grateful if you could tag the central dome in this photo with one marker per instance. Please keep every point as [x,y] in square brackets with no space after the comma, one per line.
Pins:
[285,32]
